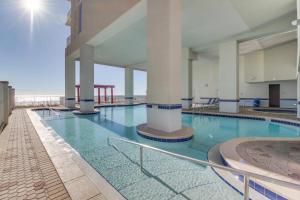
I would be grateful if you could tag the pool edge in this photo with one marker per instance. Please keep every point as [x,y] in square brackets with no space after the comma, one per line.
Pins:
[58,149]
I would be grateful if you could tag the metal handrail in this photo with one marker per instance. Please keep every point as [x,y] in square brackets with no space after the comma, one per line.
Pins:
[49,110]
[246,174]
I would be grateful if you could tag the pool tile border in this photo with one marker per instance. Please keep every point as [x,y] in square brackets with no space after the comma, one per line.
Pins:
[261,118]
[63,156]
[164,139]
[256,186]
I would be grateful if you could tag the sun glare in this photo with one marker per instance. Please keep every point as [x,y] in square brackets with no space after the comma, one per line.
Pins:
[32,5]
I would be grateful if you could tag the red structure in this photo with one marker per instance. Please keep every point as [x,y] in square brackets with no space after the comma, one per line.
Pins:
[99,90]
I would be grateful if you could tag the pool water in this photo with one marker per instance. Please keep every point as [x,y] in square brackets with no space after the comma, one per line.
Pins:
[164,177]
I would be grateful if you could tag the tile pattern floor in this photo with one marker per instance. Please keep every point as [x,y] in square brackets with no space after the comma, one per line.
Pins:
[26,171]
[276,156]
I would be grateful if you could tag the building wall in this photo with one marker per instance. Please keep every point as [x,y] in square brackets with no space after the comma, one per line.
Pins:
[96,15]
[205,76]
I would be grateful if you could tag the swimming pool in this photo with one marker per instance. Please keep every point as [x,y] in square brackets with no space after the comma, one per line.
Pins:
[165,177]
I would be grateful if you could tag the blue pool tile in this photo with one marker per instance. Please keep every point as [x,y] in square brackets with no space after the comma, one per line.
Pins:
[270,194]
[280,197]
[259,188]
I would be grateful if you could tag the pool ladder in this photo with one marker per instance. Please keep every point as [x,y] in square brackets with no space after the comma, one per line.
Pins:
[49,112]
[245,174]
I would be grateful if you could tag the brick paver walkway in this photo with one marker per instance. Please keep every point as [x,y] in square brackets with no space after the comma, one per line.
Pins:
[26,171]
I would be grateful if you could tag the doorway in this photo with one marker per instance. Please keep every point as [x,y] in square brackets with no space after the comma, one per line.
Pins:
[274,95]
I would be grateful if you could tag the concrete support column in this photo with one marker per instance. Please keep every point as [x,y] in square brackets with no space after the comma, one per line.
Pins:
[9,100]
[2,124]
[5,102]
[163,71]
[13,98]
[86,79]
[129,95]
[69,82]
[229,77]
[187,79]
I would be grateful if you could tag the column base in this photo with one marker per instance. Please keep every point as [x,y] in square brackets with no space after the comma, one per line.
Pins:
[187,103]
[298,110]
[87,105]
[70,102]
[229,106]
[181,135]
[164,117]
[129,100]
[77,112]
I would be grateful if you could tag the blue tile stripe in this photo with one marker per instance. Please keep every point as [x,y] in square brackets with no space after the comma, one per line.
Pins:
[261,99]
[288,99]
[87,100]
[257,187]
[70,99]
[164,140]
[187,99]
[224,115]
[129,97]
[208,97]
[245,117]
[165,106]
[229,100]
[252,98]
[286,122]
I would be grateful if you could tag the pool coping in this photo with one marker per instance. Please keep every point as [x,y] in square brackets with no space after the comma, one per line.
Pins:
[229,178]
[232,159]
[81,180]
[250,117]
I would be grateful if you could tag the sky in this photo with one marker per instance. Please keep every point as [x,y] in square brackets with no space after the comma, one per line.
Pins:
[32,54]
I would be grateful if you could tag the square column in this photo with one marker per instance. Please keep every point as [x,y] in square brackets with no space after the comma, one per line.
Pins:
[86,79]
[1,106]
[129,85]
[13,98]
[187,78]
[9,100]
[5,101]
[164,73]
[69,82]
[229,77]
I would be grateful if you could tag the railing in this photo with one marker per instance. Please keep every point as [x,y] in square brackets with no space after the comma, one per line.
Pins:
[49,112]
[36,100]
[246,174]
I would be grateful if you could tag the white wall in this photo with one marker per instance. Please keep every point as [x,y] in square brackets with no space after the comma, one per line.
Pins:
[272,64]
[205,77]
[280,62]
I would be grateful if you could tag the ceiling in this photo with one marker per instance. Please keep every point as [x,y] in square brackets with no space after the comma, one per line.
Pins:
[206,23]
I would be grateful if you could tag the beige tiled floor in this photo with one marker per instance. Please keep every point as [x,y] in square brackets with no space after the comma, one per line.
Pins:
[26,171]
